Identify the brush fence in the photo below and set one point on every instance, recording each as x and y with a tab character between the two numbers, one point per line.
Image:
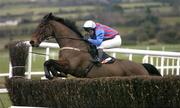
112	92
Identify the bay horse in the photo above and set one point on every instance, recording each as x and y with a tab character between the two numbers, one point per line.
74	55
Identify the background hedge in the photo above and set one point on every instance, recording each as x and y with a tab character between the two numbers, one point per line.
112	92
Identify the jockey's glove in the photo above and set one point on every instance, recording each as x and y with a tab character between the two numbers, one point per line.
86	37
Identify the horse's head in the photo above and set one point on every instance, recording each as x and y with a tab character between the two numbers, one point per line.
63	30
43	31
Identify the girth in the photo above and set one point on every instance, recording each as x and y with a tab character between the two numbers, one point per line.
88	69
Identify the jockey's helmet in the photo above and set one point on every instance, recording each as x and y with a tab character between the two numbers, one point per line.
89	24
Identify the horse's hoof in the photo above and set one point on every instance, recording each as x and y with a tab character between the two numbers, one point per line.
48	77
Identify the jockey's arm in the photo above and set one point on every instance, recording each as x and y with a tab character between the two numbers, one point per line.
99	38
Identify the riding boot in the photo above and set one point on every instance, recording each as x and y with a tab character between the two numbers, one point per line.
98	58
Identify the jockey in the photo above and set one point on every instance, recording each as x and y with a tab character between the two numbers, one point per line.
102	36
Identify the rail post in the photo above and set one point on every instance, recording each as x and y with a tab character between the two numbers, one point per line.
162	66
10	69
47	53
178	66
29	63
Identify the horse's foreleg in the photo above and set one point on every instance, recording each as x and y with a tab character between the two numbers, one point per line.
47	70
56	70
54	67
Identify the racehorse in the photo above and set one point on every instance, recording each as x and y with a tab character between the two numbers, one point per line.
74	55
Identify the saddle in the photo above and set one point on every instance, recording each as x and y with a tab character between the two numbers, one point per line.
104	58
107	59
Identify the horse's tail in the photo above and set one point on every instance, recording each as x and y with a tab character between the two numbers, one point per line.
151	69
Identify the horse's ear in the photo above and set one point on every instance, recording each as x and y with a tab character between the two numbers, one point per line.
50	15
47	17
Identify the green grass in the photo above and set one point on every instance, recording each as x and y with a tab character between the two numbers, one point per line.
5	101
18	10
125	30
19	27
170	20
140	4
83	8
4	61
35	10
157	8
11	1
37	64
163	9
159	47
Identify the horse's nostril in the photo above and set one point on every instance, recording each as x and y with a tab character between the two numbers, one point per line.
31	42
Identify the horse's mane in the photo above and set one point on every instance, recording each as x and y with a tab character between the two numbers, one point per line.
69	23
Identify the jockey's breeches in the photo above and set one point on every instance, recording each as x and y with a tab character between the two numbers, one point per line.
111	43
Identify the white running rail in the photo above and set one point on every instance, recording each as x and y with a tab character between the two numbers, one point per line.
161	59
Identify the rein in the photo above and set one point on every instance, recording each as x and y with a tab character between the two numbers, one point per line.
71	38
63	48
70	48
67	38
